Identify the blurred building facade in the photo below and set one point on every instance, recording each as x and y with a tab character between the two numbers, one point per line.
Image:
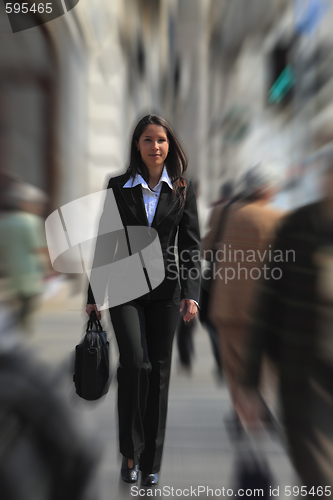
71	90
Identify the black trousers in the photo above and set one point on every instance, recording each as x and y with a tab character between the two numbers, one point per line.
144	331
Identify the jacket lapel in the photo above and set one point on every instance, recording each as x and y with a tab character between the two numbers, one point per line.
165	204
134	200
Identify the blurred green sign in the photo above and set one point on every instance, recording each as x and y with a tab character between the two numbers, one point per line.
282	85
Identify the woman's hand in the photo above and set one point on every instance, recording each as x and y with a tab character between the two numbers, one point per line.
191	309
93	307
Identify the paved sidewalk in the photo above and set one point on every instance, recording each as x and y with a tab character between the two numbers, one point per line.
198	451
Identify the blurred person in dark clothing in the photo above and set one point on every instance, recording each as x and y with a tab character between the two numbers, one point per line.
293	325
185	331
242	248
45	454
23	250
208	245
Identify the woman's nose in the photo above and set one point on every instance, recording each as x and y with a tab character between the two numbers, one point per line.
155	145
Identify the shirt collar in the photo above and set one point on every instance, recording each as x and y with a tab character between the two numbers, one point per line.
138	179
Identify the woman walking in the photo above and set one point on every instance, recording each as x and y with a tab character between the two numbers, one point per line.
153	193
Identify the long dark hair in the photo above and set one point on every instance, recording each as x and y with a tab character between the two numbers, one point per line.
176	161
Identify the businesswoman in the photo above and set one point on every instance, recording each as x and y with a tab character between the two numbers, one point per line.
152	194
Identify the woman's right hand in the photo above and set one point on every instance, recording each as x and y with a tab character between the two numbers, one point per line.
93	307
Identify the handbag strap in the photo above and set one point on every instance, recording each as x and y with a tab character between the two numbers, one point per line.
94	321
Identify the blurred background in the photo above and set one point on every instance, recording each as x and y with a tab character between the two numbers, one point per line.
240	82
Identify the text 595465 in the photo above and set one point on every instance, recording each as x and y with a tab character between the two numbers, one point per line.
25	8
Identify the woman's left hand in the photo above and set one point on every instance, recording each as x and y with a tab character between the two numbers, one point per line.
191	309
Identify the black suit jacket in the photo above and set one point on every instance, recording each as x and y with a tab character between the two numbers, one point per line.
182	281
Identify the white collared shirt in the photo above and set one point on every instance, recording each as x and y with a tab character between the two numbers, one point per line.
150	196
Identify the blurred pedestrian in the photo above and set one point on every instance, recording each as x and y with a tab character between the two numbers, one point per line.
185	331
293	324
45	452
23	251
242	248
208	248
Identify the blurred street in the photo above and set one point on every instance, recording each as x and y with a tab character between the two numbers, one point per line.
247	89
198	450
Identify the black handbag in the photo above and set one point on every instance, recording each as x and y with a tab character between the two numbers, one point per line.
92	362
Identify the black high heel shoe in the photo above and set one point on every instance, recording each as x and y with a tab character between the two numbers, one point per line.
129	475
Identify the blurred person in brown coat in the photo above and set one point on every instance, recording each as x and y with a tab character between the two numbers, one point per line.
244	246
293	324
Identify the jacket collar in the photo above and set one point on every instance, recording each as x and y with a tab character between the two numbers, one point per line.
139	180
134	200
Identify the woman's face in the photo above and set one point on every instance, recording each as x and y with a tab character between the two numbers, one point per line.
154	147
